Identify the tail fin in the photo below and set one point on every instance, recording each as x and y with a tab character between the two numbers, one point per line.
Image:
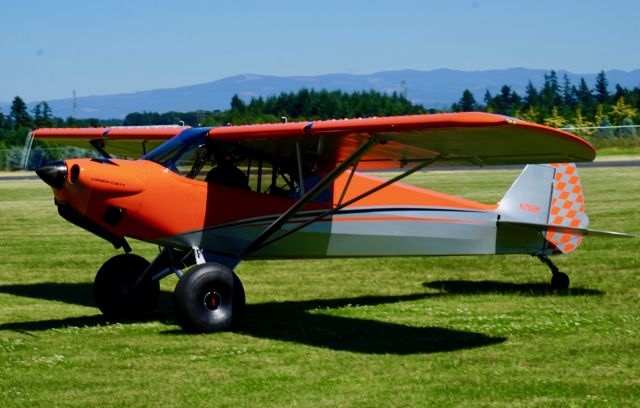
544	196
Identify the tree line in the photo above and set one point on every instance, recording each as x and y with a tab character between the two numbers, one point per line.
306	104
557	103
302	105
15	126
561	103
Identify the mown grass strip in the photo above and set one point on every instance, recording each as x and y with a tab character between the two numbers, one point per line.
453	331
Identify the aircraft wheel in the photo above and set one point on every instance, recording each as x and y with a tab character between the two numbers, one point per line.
208	298
560	281
113	288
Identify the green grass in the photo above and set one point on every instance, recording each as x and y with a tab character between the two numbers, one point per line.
632	151
450	331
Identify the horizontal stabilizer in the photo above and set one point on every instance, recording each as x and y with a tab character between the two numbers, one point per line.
567	230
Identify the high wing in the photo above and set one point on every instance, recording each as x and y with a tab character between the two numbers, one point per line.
124	141
448	139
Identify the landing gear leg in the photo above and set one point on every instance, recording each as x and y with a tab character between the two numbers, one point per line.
559	280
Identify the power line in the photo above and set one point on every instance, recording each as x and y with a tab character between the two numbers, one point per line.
598	127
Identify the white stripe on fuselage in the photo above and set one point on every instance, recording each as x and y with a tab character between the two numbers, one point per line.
377	231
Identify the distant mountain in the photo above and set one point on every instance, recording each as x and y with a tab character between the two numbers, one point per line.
433	89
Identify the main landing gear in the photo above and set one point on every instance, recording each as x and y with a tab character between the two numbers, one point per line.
121	290
207	298
559	280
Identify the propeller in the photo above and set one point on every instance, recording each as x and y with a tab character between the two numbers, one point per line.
53	173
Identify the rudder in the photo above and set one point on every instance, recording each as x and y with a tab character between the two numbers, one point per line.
567	209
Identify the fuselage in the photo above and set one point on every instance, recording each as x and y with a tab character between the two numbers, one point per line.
143	200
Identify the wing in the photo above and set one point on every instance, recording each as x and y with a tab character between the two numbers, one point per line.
125	141
451	138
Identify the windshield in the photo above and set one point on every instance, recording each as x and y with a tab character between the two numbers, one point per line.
177	153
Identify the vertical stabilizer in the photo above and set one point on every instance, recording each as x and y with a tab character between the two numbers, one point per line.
544	195
529	197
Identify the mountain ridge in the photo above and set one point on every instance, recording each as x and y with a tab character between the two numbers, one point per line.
437	88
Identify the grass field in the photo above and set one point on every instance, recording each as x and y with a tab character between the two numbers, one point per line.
455	331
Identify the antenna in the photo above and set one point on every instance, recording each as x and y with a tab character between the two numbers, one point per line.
75	104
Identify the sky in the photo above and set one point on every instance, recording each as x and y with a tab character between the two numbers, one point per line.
48	49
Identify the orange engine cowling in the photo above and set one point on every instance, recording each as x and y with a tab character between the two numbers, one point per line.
100	195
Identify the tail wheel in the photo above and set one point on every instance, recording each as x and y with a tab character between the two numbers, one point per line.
209	298
119	292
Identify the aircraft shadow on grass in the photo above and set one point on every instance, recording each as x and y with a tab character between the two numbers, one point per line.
468	287
303	321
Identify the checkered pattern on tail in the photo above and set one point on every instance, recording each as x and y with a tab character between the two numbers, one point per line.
567	209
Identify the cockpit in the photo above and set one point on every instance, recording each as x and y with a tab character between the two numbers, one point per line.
194	155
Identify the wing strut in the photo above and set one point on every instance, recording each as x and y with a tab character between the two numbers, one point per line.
300	178
348	203
346	186
306	198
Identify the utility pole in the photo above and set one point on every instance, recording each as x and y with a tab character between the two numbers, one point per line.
404	90
75	104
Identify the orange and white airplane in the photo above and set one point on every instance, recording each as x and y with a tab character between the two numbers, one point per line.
211	197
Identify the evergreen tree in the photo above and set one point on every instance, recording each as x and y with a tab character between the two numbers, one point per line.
310	105
585	97
238	104
20	114
72	122
634	97
621	93
531	97
550	93
42	115
601	88
467	103
507	102
37	113
568	92
487	101
47	115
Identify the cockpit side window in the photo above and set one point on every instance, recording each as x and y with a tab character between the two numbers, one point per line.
192	154
236	166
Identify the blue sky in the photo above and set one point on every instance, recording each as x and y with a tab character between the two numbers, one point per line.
50	48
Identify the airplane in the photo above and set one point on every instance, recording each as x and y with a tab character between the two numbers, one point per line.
211	197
